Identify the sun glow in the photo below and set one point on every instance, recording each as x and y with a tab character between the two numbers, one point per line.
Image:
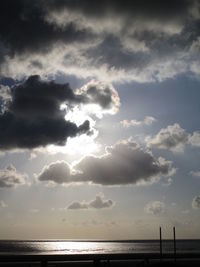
84	144
80	146
79	115
98	99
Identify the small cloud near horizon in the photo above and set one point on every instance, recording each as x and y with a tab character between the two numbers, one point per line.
155	207
98	203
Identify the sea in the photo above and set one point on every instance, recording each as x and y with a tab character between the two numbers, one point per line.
96	246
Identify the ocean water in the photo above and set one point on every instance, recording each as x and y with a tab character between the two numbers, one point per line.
78	247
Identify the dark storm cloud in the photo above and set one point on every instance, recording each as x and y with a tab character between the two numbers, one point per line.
23	29
33	117
27	133
111	52
154	8
32	114
120	40
40	98
141	38
124	163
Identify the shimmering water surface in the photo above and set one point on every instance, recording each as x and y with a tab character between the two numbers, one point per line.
78	247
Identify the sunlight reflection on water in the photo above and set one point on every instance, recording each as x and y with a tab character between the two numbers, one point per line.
84	247
70	247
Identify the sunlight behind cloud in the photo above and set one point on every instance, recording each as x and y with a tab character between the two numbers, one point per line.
78	115
81	145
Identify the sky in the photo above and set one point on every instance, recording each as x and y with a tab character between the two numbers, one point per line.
99	119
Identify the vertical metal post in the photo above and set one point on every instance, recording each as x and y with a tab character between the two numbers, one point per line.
160	243
174	232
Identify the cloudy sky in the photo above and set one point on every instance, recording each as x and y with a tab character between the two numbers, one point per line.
99	118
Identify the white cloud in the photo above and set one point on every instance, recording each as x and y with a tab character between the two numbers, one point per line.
155	207
185	211
168	182
10	177
128	123
148	120
5	92
196	202
5	97
34	210
194	139
2	204
174	138
98	203
195	173
2	154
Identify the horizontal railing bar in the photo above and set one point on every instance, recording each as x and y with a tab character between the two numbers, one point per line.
93	257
